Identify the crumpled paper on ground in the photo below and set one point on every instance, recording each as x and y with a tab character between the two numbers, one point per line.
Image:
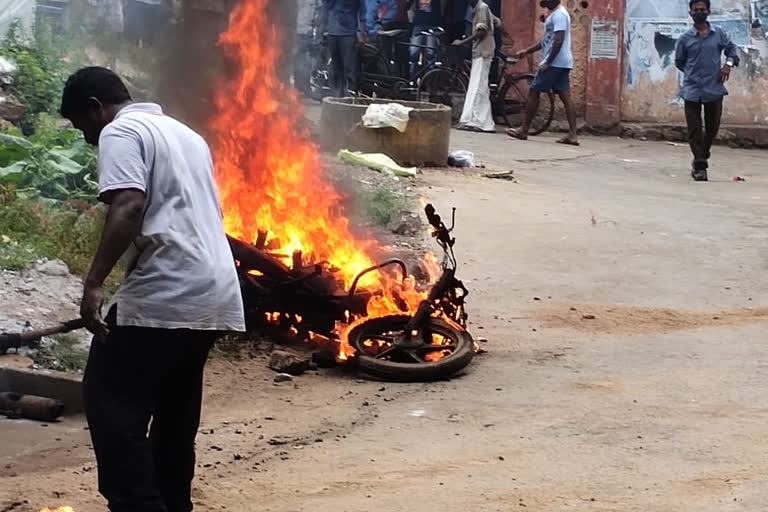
376	161
387	115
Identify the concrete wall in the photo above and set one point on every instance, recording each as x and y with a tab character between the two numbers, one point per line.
651	81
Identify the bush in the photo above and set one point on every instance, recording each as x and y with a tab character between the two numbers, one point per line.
51	164
42	70
34	229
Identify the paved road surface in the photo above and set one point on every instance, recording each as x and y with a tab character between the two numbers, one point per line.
657	404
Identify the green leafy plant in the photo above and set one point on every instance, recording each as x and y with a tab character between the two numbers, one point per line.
380	204
62	352
41	69
54	165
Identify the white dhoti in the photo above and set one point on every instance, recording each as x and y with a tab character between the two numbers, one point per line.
477	104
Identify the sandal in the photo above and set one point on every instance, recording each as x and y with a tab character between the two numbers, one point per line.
516	134
568	142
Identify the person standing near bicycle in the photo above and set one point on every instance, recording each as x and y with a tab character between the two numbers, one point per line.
478	115
388	16
554	71
426	18
346	27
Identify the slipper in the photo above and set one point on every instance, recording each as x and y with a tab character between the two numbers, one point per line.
475	129
568	142
516	134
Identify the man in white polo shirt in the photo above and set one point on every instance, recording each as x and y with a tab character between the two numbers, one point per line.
180	292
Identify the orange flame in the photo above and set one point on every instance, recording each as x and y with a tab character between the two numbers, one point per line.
269	172
60	509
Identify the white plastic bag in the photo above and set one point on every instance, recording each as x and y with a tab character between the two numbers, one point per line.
387	115
461	158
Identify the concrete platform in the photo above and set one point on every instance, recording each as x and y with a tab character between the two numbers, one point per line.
58	385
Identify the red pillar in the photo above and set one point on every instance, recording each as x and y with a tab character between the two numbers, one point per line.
605	70
518	17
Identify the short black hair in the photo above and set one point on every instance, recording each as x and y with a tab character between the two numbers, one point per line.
708	2
92	82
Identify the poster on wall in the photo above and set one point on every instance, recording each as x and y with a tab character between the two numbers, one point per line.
760	14
604	39
651	43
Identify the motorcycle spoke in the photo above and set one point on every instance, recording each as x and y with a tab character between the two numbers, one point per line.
448	346
389	338
415	356
386	351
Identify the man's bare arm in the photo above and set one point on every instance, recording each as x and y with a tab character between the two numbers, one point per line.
531	49
479	34
557	45
122	226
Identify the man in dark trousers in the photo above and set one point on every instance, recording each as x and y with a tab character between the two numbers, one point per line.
346	25
180	292
699	56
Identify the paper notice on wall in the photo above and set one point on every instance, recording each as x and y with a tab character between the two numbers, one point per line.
604	43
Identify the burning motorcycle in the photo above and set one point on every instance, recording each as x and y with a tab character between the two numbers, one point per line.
309	302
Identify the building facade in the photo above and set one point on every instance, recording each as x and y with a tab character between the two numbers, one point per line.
624	56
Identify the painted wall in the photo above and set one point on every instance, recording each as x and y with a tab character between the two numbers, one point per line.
651	85
580	20
523	21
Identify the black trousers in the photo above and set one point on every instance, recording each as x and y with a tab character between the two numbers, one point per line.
136	377
702	135
344	58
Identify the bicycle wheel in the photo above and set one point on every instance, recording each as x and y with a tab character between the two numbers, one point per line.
514	95
374	68
444	87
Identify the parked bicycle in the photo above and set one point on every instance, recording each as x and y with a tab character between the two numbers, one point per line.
445	82
509	98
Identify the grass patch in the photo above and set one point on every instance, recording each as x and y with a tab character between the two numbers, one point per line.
15	257
381	205
64	353
32	229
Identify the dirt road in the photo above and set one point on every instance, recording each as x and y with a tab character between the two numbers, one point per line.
657	403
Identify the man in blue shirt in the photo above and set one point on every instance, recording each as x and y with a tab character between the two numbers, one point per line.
346	23
699	56
554	71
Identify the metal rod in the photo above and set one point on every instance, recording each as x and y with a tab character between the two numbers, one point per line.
387	263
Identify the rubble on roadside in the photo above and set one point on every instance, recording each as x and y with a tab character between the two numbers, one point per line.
39	296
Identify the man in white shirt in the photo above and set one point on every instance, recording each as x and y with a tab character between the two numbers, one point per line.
477	114
554	71
180	292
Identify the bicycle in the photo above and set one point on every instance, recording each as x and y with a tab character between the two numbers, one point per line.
379	75
509	98
446	81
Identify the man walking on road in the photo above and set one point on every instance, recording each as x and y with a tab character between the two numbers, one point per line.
478	115
346	26
180	292
699	56
554	71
